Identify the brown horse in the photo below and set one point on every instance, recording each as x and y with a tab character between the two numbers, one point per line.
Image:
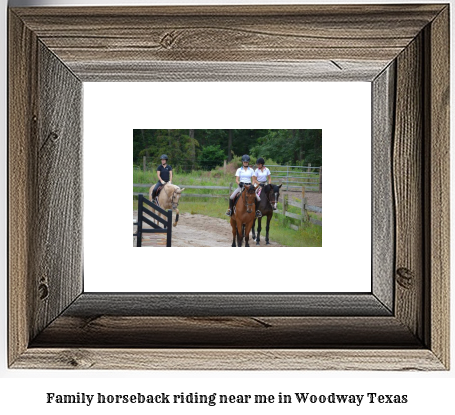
168	199
243	216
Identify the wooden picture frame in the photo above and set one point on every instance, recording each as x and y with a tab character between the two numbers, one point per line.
402	324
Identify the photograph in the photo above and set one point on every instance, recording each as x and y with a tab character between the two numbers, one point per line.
231	187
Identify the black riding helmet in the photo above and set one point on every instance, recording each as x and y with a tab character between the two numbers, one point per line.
164	157
260	160
245	157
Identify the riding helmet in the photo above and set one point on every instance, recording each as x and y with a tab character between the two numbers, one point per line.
246	158
164	157
260	160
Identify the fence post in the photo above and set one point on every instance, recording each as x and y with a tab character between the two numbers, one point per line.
285	204
139	219
320	179
309	168
305	216
224	167
169	228
144	163
287	177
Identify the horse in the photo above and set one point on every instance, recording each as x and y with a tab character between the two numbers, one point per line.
168	199
269	199
243	216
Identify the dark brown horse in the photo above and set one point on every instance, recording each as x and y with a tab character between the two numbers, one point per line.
243	216
269	199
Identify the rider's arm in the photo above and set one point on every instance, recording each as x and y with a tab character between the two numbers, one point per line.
170	176
237	179
159	176
270	179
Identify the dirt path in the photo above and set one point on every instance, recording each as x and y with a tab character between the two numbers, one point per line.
201	231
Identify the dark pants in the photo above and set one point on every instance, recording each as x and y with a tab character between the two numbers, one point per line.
155	190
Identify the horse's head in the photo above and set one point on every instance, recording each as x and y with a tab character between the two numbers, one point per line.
273	193
250	196
174	192
176	197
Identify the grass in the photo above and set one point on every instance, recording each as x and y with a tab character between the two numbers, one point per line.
308	235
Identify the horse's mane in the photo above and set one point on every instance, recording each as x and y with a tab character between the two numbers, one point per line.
173	188
251	189
269	187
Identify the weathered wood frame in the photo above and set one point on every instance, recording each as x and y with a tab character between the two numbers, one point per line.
403	50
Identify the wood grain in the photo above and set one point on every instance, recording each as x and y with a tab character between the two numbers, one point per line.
226	331
58	203
229	359
408	188
231	34
438	256
309	71
89	305
383	215
22	129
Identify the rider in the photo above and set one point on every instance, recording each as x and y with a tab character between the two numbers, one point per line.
244	175
164	173
262	173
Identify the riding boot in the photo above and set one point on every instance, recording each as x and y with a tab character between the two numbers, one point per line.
231	207
258	212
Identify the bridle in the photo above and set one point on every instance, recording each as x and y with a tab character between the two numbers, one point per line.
174	205
275	198
248	205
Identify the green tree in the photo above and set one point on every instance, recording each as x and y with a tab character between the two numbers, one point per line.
211	156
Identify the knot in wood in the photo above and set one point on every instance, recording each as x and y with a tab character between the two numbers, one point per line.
53	136
168	40
77	359
405	278
43	291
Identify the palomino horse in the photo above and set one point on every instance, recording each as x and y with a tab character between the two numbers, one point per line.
269	199
168	199
243	216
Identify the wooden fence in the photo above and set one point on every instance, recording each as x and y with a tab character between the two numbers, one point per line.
304	209
224	195
294	177
166	224
287	201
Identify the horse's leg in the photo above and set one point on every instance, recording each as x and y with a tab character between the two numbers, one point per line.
239	235
269	218
252	229
258	238
234	231
176	217
247	233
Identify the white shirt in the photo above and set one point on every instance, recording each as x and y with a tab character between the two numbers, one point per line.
262	175
245	176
